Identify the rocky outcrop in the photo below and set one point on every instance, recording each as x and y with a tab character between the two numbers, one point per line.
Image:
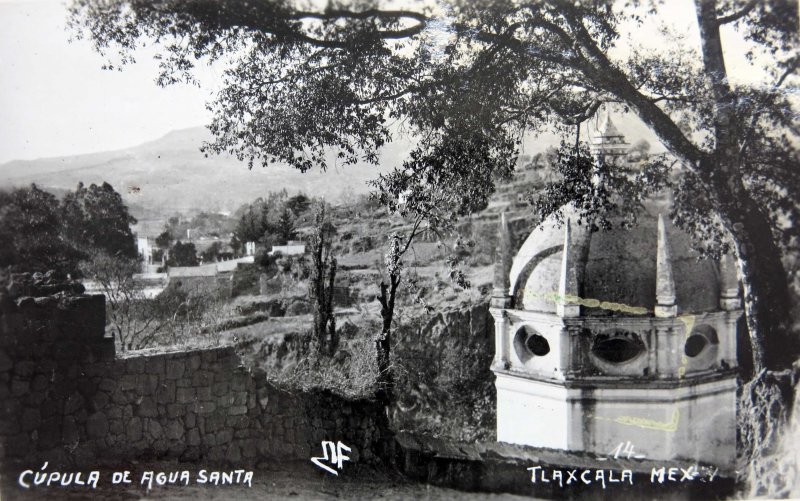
445	385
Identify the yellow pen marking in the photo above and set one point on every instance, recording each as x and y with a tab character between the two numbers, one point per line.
688	321
590	303
650	424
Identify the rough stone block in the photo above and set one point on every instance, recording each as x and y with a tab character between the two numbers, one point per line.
224	437
174	430
97	425
146	408
175	411
23	369
70	433
220	389
134	430
154	430
206	408
155	365
31	419
17	445
107	384
194	362
204	394
240	398
237	410
192	454
193	437
234	454
127	382
9	426
238	422
86	386
246	433
202	379
119	398
39	382
212	423
115	427
68	350
100	400
103	349
175	369
240	380
134	365
146	384
114	412
73	404
185	395
20	387
165	392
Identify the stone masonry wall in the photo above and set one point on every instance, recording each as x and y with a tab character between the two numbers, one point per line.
65	398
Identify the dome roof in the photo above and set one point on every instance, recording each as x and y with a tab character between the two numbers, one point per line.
615	266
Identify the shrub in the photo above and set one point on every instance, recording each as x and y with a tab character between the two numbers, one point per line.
351	373
245	280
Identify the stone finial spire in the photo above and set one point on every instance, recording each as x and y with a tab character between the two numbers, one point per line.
502	267
609	142
610	130
728	284
568	283
665	283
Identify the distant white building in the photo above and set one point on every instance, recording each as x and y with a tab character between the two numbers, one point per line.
292	248
145	250
249	248
231	264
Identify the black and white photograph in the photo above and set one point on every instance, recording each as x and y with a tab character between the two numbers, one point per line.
399	249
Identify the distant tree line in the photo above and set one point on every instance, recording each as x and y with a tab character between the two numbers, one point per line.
268	221
41	232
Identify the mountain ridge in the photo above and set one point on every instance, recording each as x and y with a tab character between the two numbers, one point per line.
169	175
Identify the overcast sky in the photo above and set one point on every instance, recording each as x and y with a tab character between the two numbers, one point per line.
55	100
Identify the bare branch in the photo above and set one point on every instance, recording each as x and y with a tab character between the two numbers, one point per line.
789	71
332	14
749	6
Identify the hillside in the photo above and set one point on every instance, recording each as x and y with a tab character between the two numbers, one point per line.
170	175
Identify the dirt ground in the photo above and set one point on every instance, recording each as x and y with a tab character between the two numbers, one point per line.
300	483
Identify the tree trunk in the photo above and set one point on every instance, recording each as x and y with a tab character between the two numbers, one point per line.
321	289
763	276
385	391
333	336
765	283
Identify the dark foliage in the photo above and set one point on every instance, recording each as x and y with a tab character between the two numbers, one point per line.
40	234
183	254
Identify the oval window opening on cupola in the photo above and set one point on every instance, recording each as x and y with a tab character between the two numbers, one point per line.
702	337
538	345
530	344
617	347
695	345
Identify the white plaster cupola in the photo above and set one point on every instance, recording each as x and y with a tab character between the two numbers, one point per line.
608	336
